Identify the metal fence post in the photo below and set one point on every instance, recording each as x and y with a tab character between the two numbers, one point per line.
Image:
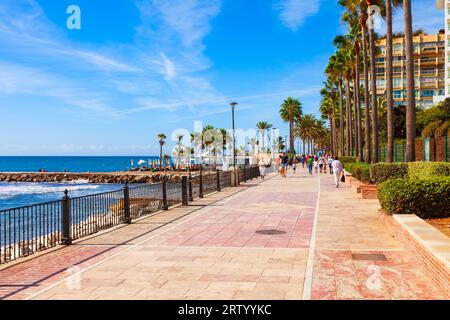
126	204
184	192
201	182
191	198
218	179
165	205
66	224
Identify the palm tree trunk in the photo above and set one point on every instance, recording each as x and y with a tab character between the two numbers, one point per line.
160	155
341	120
355	117
373	85
291	136
368	155
358	107
410	87
349	117
389	86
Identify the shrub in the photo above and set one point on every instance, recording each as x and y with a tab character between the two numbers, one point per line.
380	172
426	198
420	170
348	159
359	170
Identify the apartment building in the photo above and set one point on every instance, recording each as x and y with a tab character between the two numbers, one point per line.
430	69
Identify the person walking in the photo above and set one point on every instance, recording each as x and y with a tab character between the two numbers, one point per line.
262	168
321	163
284	164
330	161
338	170
310	164
278	164
303	159
294	165
316	164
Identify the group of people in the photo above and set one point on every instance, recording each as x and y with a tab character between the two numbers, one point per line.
319	163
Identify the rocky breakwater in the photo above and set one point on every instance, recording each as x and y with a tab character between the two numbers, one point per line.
118	178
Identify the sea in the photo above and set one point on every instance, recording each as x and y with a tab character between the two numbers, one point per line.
18	194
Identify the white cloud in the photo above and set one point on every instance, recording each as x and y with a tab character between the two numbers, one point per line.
188	20
294	12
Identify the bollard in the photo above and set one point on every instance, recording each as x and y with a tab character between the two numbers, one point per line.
201	183
184	192
218	180
191	197
126	204
66	220
165	205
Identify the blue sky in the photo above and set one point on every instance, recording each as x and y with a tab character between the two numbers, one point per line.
140	67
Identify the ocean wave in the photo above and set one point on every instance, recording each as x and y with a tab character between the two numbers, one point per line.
11	190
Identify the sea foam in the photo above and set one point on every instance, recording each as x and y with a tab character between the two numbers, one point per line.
10	190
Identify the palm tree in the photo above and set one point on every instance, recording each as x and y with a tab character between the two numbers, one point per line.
254	144
389	80
334	72
363	23
353	37
208	136
345	53
327	108
281	144
291	109
263	127
410	85
179	149
162	141
225	138
373	84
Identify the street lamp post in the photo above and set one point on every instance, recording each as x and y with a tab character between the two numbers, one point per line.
233	106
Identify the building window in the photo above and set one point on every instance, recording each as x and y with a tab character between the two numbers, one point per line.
380	82
427	93
398	48
398	94
398	82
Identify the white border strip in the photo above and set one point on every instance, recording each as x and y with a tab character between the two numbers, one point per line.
307	284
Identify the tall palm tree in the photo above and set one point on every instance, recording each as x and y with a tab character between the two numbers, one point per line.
263	128
328	109
345	53
162	141
291	109
351	17
410	86
367	128
373	83
334	70
389	4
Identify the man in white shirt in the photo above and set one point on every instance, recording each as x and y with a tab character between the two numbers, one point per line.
338	169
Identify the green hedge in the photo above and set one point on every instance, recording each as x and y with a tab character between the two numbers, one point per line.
359	170
348	159
420	170
380	172
426	198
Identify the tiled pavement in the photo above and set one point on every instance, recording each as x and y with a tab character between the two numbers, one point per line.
211	251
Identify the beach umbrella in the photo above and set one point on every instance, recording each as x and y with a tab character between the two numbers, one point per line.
141	162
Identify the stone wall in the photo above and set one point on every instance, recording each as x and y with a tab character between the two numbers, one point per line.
89	177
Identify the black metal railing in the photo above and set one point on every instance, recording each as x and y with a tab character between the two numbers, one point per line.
30	229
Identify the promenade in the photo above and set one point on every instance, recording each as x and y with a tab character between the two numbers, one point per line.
316	248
